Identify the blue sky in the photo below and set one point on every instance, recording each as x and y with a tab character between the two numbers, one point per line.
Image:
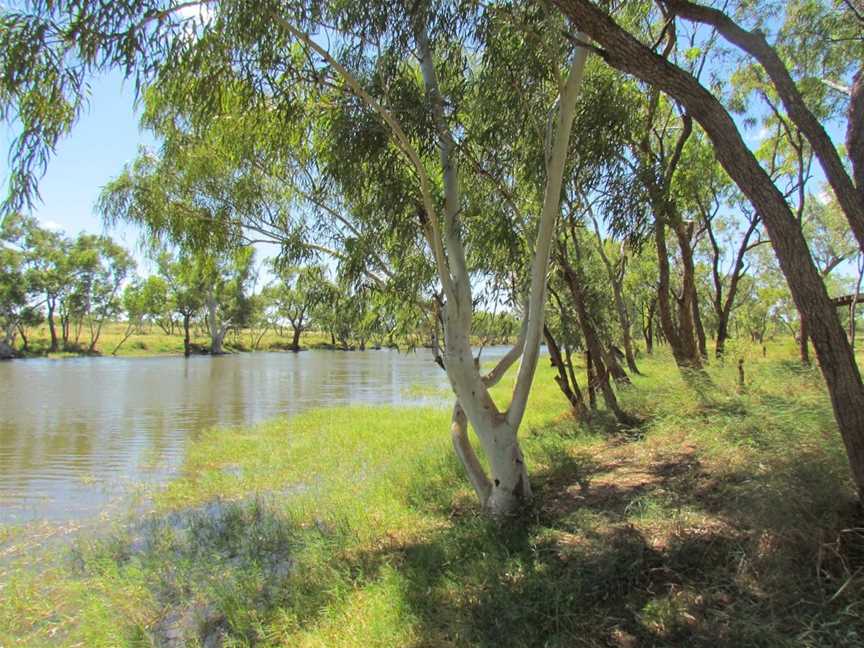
106	138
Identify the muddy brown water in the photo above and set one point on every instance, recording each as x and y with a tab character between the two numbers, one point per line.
80	435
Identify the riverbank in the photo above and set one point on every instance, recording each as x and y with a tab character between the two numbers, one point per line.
152	341
725	520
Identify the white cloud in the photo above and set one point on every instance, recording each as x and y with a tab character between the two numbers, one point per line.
203	12
52	226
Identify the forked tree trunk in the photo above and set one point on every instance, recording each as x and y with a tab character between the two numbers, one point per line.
507	487
508	484
723	307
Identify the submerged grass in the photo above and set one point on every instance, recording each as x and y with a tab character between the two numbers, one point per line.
726	521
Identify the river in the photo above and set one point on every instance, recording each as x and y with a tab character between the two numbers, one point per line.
80	435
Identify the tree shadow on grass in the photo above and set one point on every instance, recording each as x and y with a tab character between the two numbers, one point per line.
632	553
622	548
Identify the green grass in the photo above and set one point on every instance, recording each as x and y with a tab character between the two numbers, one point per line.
725	520
153	341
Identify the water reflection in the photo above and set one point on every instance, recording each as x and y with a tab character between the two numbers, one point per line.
74	434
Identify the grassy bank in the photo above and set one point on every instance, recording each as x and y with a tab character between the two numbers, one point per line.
724	520
152	341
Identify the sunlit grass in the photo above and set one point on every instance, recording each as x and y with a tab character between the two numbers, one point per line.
724	520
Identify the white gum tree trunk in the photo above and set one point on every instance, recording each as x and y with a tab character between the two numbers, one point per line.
507	486
217	330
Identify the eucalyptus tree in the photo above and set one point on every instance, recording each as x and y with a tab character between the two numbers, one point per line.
830	246
299	293
145	301
813	68
730	226
186	284
15	298
47	255
562	337
157	305
624	51
283	57
226	280
135	309
113	266
570	259
19	293
616	267
96	268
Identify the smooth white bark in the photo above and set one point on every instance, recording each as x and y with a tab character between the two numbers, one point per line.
217	331
555	163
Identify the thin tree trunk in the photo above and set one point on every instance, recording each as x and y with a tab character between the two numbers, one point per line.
590	376
616	280
664	296
722	334
803	343
126	336
723	307
570	389
25	347
187	346
853	306
686	313
592	342
217	332
648	328
700	330
51	303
